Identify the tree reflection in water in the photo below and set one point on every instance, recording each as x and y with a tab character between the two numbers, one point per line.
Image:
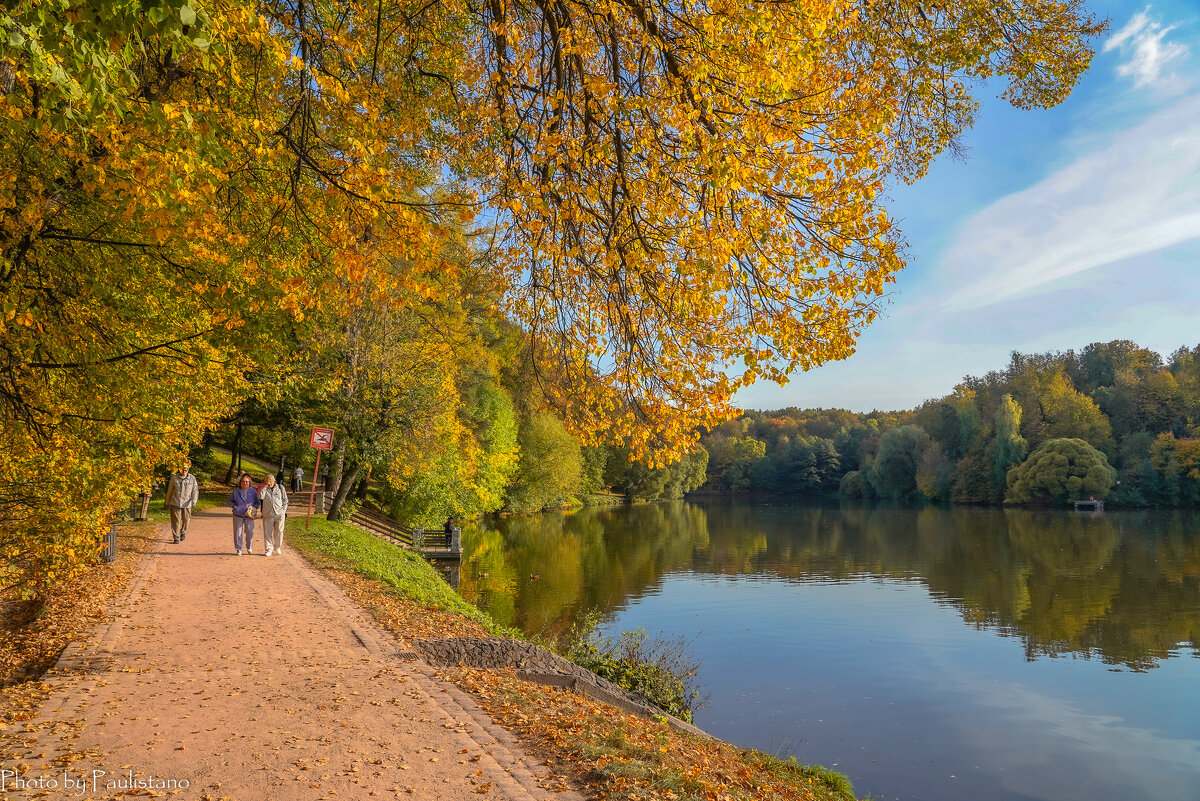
1122	587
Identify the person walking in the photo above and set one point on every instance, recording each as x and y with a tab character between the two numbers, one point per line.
299	479
245	503
182	493
274	514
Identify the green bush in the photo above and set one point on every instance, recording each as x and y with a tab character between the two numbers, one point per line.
1060	470
203	458
662	671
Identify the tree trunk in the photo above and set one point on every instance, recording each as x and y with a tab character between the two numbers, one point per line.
361	492
235	457
344	487
338	467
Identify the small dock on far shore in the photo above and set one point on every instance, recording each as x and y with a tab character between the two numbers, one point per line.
1091	505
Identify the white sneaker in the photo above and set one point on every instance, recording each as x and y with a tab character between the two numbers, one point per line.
268	553
239	553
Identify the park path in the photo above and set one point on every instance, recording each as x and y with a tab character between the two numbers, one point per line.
251	678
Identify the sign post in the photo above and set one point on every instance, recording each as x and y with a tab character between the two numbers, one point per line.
322	440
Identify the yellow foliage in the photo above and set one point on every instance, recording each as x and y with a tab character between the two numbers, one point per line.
685	199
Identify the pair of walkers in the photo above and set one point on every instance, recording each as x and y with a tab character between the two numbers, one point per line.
269	501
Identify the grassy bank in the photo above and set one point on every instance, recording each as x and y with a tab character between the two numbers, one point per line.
601	751
413	599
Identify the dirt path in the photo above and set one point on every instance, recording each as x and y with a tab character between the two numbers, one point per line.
252	678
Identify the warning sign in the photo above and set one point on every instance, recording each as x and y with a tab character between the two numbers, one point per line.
322	439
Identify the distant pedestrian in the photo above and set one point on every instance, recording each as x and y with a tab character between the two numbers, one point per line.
245	503
274	515
279	477
325	478
182	494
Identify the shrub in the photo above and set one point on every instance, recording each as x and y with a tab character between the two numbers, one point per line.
662	671
1060	470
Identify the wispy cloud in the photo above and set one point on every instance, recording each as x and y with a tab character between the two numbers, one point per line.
1138	195
1146	53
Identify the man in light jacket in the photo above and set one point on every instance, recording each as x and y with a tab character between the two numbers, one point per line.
274	512
182	494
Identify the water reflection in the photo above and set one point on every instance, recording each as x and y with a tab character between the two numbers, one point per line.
1122	587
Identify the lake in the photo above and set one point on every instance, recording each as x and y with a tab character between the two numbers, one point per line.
932	654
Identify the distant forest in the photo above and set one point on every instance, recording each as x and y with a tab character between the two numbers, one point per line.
1111	421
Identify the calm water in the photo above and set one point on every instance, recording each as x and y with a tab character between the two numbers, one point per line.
928	654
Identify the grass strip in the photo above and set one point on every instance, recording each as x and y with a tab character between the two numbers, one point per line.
399	572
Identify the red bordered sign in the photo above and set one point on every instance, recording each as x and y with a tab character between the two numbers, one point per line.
322	439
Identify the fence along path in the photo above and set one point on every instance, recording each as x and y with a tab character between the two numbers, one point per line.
436	543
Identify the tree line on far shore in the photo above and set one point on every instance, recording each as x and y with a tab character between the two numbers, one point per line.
1110	421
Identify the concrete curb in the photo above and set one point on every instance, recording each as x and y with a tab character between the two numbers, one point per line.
536	664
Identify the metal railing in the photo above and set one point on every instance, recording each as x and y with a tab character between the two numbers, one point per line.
109	554
431	543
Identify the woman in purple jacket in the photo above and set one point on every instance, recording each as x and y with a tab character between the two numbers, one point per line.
245	504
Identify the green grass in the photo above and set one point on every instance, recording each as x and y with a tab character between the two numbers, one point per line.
157	513
401	571
251	464
829	784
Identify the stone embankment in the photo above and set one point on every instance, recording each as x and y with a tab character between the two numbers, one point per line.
533	663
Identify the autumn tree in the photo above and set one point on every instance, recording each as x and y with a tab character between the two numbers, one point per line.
162	203
1069	413
732	461
1100	363
1150	402
686	198
409	385
1177	462
691	194
935	474
640	482
1185	368
893	474
550	466
463	476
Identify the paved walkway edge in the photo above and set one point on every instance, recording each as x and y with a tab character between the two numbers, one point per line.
508	754
84	653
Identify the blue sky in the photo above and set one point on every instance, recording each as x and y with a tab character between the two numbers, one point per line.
1062	227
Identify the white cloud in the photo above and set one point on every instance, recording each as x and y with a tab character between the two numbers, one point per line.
1108	756
1138	195
1146	53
